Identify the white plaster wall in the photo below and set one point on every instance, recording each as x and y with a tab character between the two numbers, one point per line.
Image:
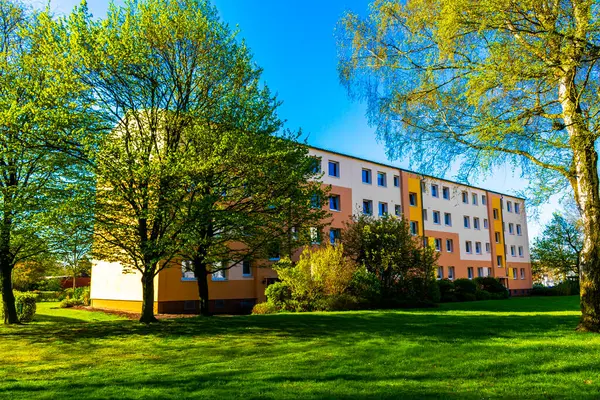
458	210
351	177
110	283
516	240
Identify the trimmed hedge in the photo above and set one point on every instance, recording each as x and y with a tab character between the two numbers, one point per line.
264	308
567	288
26	304
484	288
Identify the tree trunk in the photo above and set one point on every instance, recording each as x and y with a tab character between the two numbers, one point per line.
202	275
8	297
148	297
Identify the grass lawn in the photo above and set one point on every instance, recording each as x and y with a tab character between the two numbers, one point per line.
518	348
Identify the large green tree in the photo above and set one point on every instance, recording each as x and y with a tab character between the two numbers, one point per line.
485	83
42	124
558	248
257	195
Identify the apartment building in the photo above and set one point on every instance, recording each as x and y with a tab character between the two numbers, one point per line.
477	232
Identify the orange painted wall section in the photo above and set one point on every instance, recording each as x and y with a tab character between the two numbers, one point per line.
339	218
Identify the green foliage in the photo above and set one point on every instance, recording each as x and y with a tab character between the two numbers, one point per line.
566	288
25	303
447	290
465	289
386	248
68	303
264	308
483	295
49	285
278	294
557	250
365	287
491	285
319	276
44	296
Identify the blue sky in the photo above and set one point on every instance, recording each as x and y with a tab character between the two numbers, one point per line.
294	43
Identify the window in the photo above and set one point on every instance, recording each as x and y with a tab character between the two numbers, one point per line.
468	246
274	250
483	199
448	219
520	251
436	217
383	209
315	237
485	223
424	215
440	272
476	223
495	211
397	210
187	271
367	207
465	197
449	245
396	181
451	273
414	227
470	272
246	268
479	272
446	193
316	165
315	201
438	244
513	251
381	179
412	199
497	236
366	176
509	206
434	191
474	199
517	207
334	235
514	273
499	261
477	247
511	228
334	202
487	247
220	275
519	233
334	169
467	221
522	271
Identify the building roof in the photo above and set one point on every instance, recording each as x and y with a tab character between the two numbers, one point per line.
414	172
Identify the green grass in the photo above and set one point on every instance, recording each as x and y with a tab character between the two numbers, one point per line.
518	348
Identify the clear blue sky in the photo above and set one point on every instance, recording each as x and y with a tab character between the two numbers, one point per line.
294	43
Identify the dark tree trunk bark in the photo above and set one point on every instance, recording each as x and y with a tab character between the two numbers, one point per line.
8	297
202	274
148	297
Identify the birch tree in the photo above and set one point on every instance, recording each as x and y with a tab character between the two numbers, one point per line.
485	83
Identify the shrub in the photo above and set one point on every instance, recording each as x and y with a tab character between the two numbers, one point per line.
446	290
264	308
83	294
465	289
278	294
68	303
338	302
26	304
365	287
49	285
483	295
490	284
47	296
567	288
319	273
